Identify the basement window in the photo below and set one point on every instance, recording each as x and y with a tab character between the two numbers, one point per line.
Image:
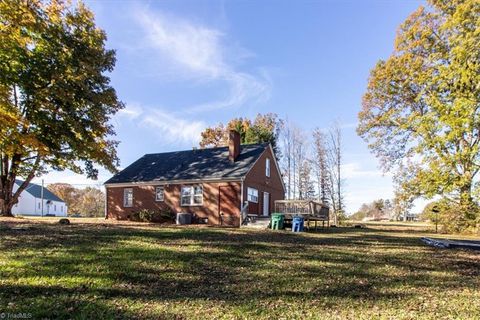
159	193
252	195
128	197
192	196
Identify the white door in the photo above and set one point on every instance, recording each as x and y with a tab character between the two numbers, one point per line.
266	203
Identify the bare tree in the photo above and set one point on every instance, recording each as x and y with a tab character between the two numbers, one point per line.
306	188
287	146
294	153
335	170
320	165
299	157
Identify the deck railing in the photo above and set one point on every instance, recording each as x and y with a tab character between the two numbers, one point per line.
303	207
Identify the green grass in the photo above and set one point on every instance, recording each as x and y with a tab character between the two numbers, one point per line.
106	270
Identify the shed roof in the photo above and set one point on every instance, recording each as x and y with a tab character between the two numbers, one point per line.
36	191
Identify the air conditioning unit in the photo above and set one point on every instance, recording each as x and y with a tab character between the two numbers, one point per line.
184	218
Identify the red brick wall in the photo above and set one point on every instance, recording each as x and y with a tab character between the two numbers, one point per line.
144	198
257	179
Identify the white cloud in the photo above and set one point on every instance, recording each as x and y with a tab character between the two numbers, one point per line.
192	47
198	52
354	170
170	126
173	128
131	111
351	125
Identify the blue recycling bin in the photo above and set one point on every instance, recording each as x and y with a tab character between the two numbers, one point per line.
297	224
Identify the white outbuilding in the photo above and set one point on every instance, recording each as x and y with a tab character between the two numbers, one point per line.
30	202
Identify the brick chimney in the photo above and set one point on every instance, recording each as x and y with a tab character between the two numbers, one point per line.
233	145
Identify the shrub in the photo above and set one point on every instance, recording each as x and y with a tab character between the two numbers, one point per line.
143	215
163	215
146	215
451	217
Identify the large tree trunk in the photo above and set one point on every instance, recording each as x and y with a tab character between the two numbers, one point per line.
6	210
6	200
468	206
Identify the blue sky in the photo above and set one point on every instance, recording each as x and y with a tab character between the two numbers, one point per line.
184	65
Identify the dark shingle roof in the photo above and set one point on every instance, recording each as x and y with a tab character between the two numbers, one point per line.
206	164
36	191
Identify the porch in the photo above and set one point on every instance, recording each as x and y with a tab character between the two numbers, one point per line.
311	211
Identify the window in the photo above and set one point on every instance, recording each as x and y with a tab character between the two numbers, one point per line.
39	205
159	193
192	196
61	209
128	197
252	195
54	207
267	167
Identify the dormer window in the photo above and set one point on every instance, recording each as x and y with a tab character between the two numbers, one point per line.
267	167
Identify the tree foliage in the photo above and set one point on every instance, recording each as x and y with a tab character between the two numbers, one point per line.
264	128
421	109
87	202
55	96
449	216
376	210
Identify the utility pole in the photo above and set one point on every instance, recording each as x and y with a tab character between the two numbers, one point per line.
42	197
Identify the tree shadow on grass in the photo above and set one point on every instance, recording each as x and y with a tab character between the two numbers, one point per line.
96	268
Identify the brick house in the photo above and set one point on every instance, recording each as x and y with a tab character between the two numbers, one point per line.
213	184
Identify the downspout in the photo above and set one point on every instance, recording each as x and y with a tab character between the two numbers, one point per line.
241	202
105	202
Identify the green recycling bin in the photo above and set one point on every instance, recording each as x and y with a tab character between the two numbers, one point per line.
277	220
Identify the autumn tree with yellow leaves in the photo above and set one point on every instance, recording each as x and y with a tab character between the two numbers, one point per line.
55	95
264	128
421	110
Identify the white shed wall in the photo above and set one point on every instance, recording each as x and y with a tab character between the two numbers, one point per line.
28	205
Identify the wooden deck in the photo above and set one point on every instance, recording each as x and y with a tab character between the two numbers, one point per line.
309	209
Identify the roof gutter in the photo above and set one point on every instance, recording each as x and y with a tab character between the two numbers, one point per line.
184	181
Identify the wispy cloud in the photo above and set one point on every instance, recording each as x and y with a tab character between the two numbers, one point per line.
354	170
173	128
131	111
198	52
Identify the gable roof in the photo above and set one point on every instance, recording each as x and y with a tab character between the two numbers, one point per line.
36	191
199	164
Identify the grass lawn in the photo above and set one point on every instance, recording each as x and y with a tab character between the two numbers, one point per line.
96	269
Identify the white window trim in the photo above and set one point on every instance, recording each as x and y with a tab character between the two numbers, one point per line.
248	194
163	194
192	196
125	204
267	167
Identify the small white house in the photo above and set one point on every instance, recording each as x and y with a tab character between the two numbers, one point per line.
30	202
